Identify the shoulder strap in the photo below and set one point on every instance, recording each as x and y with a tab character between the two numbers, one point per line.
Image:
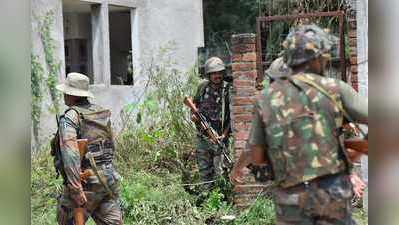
202	88
328	95
76	109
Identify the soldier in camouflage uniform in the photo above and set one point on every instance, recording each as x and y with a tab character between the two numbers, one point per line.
97	193
298	119
212	101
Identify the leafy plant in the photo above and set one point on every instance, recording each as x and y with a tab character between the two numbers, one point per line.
53	66
37	74
261	212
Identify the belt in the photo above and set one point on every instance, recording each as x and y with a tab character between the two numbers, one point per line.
313	183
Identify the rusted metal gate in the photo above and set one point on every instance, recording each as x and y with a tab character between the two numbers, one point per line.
267	49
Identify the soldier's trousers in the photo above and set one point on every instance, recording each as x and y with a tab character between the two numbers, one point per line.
100	206
326	201
209	160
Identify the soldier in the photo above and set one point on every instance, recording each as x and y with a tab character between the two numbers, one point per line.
297	129
97	191
212	101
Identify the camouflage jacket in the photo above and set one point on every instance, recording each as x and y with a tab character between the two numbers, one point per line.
298	126
214	104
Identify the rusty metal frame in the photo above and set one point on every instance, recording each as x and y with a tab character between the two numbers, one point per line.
270	19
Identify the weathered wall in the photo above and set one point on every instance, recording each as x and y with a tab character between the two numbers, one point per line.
178	21
154	24
39	9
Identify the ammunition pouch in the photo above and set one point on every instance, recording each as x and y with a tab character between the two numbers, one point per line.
102	151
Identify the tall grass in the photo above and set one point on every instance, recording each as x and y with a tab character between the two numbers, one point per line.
155	156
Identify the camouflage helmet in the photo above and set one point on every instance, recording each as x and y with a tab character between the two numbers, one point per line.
214	64
307	42
278	69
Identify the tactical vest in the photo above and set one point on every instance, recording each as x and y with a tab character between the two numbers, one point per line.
212	104
301	130
95	126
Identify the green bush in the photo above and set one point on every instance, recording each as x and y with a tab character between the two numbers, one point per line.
44	188
154	155
261	212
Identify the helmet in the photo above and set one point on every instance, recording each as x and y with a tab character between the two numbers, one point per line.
307	42
278	69
214	64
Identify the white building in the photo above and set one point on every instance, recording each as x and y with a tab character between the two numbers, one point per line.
96	37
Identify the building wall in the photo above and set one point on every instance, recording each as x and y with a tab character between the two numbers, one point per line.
154	24
178	21
39	9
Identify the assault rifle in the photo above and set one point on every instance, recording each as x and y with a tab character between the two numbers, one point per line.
206	128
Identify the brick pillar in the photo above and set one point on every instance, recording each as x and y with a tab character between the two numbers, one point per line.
352	36
243	94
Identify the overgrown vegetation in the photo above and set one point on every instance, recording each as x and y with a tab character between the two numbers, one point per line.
37	74
53	66
155	156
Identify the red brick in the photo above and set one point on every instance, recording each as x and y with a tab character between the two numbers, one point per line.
241	126
243	83
241	135
242	48
239	144
353	69
353	60
236	58
242	101
353	50
352	34
245	75
249	57
243	117
243	66
352	42
242	109
245	92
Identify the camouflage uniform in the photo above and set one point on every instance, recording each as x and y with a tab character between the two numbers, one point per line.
214	105
299	127
91	122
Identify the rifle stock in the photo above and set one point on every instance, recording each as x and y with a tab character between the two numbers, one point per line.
79	216
82	145
359	145
79	213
